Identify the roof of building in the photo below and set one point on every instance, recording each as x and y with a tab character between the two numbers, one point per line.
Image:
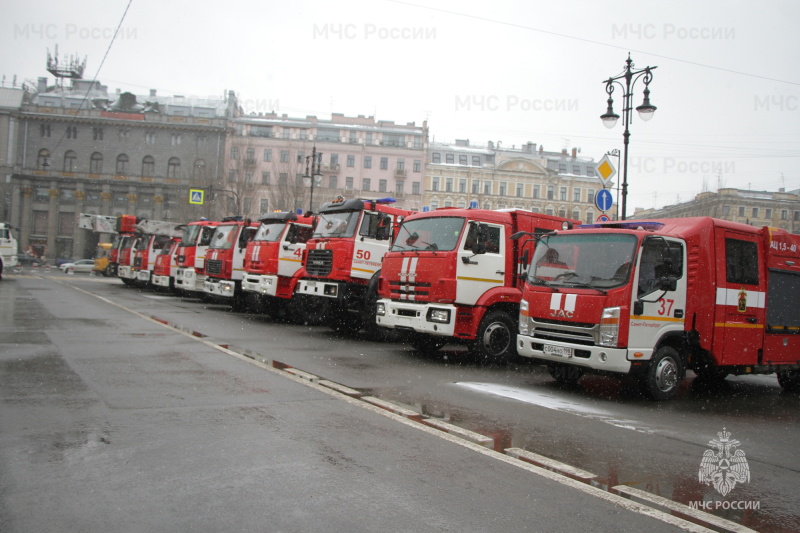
11	97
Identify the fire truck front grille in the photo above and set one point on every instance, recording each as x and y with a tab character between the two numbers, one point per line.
319	262
214	266
403	290
137	262
577	333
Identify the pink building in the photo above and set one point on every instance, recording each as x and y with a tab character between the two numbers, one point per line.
267	156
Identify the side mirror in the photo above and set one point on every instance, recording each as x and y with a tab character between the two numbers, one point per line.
668	283
525	258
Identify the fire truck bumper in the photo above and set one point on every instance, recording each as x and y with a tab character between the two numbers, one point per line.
143	275
266	285
224	288
126	272
161	281
435	319
328	289
188	279
594	357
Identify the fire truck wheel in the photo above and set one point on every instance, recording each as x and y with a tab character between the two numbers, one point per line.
565	374
494	343
789	380
663	376
424	343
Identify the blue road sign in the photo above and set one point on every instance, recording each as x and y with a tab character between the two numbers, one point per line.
603	200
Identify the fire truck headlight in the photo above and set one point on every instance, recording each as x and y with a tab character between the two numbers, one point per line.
380	310
609	327
439	315
523	317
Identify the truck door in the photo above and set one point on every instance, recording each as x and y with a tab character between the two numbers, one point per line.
740	303
290	254
476	273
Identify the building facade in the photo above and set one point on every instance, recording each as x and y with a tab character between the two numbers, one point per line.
80	149
779	209
492	177
357	157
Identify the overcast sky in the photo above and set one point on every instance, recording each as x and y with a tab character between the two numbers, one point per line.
727	86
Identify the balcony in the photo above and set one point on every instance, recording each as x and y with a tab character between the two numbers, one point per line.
400	173
334	168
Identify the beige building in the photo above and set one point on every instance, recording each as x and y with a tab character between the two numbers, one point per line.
758	208
492	177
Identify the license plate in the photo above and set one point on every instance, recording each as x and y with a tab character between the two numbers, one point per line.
560	351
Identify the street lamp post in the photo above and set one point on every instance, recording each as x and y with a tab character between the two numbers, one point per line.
615	153
212	192
646	111
313	175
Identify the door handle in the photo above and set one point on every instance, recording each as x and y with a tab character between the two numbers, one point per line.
500	272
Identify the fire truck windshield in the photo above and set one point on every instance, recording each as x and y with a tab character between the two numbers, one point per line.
224	237
596	260
436	233
189	235
269	232
337	224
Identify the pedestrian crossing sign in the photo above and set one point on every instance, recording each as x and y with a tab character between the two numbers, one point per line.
196	196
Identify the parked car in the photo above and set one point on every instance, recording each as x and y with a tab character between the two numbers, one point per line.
61	260
28	260
83	265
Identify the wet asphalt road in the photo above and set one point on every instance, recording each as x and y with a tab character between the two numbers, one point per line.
123	416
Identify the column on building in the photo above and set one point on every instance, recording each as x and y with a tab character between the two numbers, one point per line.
52	223
78	233
26	215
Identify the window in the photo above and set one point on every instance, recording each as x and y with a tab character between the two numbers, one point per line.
536	189
199	170
248	205
384	163
487	187
348	183
476	160
96	163
562	168
283	178
562	194
741	260
72	132
232	176
462	159
173	167
381	185
450	158
365	184
417	165
576	195
70	159
265	179
435	184
44	130
519	190
755	212
576	169
462	186
436	158
367	161
401	164
415	188
148	165
248	178
251	155
726	210
122	164
476	187
369	138
784	214
267	155
741	211
576	214
448	184
234	152
590	196
97	134
43	159
351	160
768	213
264	205
398	188
334	159
333	182
551	192
285	156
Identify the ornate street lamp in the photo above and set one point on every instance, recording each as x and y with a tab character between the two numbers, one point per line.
312	177
646	111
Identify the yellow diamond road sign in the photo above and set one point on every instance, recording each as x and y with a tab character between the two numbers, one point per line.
606	170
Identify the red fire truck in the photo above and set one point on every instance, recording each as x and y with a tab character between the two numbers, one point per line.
190	276
454	275
343	259
655	298
274	260
166	265
122	228
154	235
225	260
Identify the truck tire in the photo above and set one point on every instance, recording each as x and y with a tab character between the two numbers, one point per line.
495	342
789	380
565	375
424	343
663	375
